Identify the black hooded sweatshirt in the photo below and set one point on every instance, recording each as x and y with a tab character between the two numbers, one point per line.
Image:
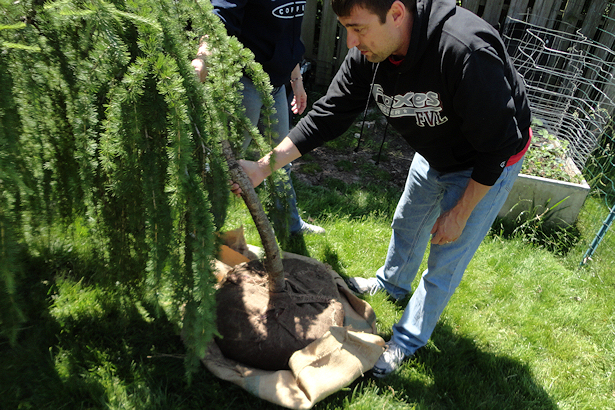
271	29
456	97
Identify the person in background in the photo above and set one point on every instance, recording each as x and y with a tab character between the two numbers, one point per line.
442	78
271	29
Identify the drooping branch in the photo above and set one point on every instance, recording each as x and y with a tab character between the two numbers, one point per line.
273	261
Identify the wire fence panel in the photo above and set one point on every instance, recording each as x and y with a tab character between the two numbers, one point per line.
566	83
570	80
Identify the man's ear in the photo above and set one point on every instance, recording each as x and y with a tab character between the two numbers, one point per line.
398	12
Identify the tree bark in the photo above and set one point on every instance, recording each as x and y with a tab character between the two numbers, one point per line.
273	261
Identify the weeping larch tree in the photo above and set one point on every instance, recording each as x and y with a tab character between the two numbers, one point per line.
105	127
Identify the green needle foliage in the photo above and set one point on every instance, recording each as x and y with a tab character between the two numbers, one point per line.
105	127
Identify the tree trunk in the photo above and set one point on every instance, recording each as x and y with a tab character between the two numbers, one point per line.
273	261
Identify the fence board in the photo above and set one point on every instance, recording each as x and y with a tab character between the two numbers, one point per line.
607	39
342	50
542	13
308	28
493	10
607	33
593	17
471	5
326	44
572	14
518	8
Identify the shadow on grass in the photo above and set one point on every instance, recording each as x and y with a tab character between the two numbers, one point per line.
100	349
118	357
456	374
296	244
452	372
557	239
82	356
114	357
335	197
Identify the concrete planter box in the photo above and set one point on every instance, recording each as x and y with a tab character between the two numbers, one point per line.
529	191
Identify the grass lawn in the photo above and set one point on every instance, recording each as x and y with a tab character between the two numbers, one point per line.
527	329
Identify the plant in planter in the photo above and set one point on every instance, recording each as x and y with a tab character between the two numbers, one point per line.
547	157
549	184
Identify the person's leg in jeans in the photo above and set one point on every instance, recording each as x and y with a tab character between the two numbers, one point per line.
426	196
253	103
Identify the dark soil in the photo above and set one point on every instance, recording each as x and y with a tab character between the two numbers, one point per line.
263	329
338	159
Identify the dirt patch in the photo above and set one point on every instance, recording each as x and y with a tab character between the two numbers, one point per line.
339	160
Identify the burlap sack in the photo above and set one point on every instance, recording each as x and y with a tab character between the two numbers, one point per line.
320	369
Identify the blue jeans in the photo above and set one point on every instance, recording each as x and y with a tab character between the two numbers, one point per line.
427	194
253	103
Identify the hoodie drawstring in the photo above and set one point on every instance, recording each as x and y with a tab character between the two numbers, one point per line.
384	136
369	95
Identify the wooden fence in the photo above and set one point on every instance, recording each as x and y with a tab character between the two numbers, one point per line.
325	40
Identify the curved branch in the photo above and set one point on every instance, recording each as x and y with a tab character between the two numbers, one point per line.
273	261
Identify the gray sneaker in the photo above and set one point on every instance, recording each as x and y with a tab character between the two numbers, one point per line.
309	229
362	286
389	361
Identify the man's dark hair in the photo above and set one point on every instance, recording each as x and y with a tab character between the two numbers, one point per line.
379	7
